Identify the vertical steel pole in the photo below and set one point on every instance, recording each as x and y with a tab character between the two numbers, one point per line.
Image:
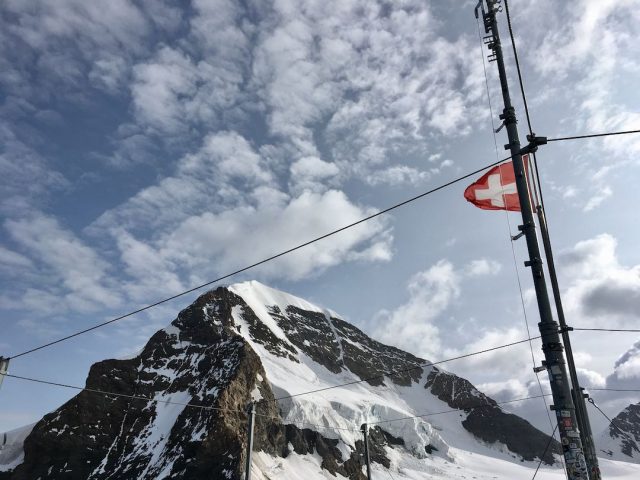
551	344
365	431
252	418
586	434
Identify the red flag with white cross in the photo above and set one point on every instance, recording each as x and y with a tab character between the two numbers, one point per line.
496	189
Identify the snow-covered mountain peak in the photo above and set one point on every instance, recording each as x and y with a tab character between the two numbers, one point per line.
315	379
256	294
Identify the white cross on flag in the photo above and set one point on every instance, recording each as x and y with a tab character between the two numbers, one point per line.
496	189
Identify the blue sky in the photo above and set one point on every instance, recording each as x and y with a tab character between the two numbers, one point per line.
149	146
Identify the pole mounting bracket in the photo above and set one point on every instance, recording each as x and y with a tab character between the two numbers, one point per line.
533	261
534	143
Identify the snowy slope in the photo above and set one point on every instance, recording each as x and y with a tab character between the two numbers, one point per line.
11	452
351	406
406	467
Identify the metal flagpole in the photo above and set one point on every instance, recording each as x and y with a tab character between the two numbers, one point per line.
551	344
586	434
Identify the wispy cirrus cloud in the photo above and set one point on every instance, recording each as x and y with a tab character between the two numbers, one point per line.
77	277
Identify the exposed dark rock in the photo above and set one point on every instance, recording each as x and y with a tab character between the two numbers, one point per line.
372	360
202	362
492	425
258	331
457	392
312	334
378	440
487	421
626	429
430	449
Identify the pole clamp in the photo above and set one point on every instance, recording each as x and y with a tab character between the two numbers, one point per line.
533	261
564	329
508	115
534	143
526	225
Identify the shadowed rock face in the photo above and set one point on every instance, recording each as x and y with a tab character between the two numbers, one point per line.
202	360
625	428
369	359
487	421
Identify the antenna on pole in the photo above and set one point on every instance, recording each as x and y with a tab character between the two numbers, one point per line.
563	404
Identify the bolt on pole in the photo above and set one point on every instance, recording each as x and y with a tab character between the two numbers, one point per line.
551	344
251	424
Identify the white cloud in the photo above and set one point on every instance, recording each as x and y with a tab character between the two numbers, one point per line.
410	326
147	267
599	288
413	326
25	173
223	209
482	266
311	173
313	167
172	92
590	378
597	198
370	83
506	390
224	172
72	38
569	191
72	271
572	46
514	361
627	368
398	175
240	236
10	258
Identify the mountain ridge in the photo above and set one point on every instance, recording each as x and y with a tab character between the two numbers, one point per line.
248	341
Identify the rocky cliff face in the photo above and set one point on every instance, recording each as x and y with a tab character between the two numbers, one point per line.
251	343
621	439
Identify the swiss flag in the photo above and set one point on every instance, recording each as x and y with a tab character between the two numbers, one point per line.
496	189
